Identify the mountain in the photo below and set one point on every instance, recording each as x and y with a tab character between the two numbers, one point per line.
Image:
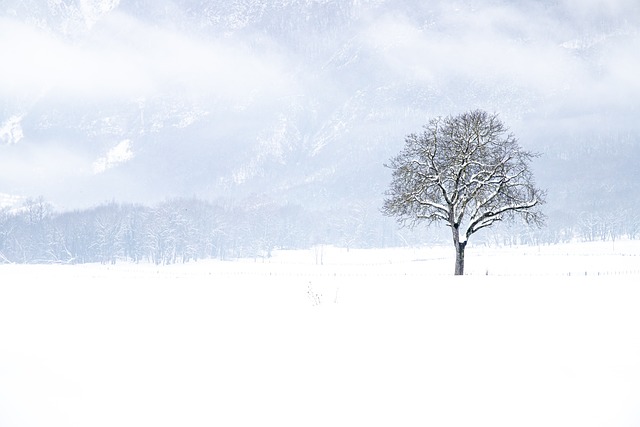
302	101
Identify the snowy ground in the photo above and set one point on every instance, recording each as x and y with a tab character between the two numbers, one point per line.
533	336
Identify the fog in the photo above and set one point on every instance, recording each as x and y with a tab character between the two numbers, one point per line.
188	147
116	100
121	58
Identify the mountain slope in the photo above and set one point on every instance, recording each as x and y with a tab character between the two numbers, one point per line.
298	100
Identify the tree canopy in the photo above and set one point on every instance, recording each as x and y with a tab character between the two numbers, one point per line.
467	171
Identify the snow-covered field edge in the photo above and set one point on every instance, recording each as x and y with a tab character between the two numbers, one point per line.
532	336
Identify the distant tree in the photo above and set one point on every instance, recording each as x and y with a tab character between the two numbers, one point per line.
35	234
108	233
6	235
353	226
133	233
467	171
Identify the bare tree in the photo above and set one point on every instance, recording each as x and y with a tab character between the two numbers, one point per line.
108	233
467	171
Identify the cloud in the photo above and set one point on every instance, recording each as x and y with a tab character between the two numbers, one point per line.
494	43
519	48
32	170
39	62
122	57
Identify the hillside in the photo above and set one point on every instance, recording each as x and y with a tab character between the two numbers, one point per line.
302	101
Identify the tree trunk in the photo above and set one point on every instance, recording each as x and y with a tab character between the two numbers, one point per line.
460	258
459	270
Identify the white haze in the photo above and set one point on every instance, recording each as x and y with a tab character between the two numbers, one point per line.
510	43
565	67
123	58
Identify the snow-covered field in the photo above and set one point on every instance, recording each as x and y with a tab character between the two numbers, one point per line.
532	336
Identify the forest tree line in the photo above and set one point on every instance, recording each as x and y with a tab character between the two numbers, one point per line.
190	229
177	230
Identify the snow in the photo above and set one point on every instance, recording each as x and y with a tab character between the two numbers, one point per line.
327	337
121	153
11	130
10	201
